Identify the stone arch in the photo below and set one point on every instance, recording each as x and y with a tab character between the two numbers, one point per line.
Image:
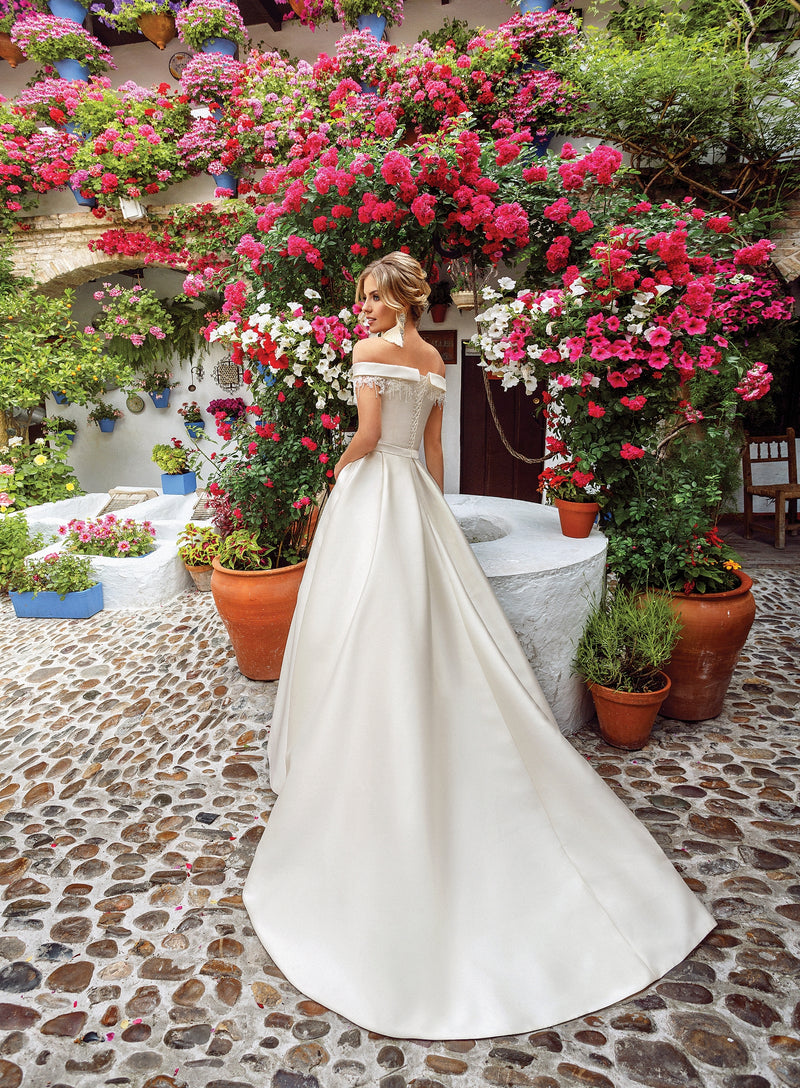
53	250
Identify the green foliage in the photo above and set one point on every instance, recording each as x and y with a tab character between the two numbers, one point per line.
39	473
15	543
457	31
173	459
779	348
59	572
240	550
198	545
627	641
104	411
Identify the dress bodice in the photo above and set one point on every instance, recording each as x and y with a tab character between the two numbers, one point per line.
407	398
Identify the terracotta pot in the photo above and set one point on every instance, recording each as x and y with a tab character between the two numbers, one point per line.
715	628
439	312
201	576
626	717
256	608
10	52
298	7
577	518
157	27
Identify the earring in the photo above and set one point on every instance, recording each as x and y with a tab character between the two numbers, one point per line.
401	324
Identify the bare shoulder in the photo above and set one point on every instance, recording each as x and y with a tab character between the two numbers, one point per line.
430	360
373	350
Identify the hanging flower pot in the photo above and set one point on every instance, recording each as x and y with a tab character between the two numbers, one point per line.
84	201
160	398
715	628
178	483
226	181
157	27
626	717
68	9
576	518
60	398
219	45
195	427
438	312
106	425
72	69
375	24
10	52
464	300
526	7
257	608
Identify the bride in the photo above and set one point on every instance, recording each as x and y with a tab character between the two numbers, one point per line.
440	862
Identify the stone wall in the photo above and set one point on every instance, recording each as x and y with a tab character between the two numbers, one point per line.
786	235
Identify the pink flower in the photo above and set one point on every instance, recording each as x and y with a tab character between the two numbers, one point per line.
658	337
619	381
631	453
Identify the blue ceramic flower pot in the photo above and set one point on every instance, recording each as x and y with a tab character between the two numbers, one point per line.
375	24
161	398
528	6
219	45
84	201
68	9
72	69
182	483
48	605
60	398
226	181
195	427
106	425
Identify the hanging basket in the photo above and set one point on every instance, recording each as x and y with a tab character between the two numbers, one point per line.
157	27
10	52
464	300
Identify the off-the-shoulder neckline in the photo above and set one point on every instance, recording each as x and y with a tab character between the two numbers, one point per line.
401	366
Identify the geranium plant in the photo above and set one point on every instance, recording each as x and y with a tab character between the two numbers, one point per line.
12	10
108	535
211	77
47	39
190	410
125	14
174	458
58	572
227	408
104	411
156	381
204	19
130	321
568	481
349	10
198	545
311	13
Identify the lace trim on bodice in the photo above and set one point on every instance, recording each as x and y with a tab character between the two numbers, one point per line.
403	381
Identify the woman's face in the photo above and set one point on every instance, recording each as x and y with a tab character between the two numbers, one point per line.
375	314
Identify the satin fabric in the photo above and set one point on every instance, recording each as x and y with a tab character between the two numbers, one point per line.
440	863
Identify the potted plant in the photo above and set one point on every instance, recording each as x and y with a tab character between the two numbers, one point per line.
227	410
440	300
59	585
177	477
60	425
154	18
192	418
212	26
267	486
109	536
625	646
104	416
198	545
371	15
63	44
565	485
158	385
312	13
16	540
10	11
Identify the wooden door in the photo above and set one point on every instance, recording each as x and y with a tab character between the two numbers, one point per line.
487	468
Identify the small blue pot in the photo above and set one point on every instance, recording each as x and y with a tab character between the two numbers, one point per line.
161	398
226	181
60	398
195	427
72	69
68	9
219	45
182	483
375	24
84	201
48	605
106	425
528	6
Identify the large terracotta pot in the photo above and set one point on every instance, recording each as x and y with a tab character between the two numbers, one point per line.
257	608
10	52
626	717
157	27
576	518
715	628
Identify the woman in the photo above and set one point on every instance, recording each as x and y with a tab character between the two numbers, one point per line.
440	863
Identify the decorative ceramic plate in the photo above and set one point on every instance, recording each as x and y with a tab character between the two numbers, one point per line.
135	404
177	62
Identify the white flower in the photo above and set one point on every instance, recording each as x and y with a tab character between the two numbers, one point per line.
506	284
577	288
545	305
309	293
15	441
40	441
488	294
249	336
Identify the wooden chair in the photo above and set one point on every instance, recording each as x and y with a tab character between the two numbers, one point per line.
771	449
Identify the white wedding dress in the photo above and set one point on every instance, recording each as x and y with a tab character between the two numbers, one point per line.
440	862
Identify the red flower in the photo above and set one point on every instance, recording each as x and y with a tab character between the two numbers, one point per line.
631	453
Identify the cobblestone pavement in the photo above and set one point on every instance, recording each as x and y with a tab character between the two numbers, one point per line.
133	793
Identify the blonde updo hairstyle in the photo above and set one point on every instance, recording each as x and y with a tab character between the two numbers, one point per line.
401	282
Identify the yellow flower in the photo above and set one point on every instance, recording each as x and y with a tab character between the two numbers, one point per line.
730	565
40	459
70	487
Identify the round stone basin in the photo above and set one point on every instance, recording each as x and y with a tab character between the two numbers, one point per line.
547	584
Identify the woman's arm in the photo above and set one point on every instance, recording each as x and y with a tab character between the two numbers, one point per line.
432	441
368	434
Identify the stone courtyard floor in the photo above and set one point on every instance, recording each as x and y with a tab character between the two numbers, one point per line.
133	791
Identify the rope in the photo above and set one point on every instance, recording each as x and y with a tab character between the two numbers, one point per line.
514	453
